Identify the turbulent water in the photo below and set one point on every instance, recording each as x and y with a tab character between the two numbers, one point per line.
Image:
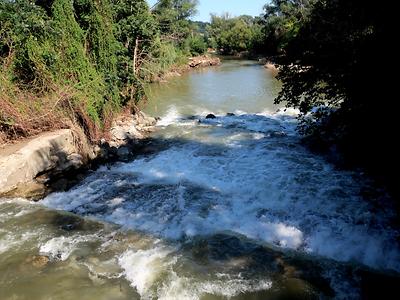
226	208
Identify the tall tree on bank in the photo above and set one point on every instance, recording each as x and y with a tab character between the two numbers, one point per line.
282	21
135	28
180	36
173	17
335	70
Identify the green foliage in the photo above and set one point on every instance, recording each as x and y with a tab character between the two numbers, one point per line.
101	51
134	27
282	22
329	73
162	57
51	50
196	44
267	35
133	19
201	27
329	52
173	15
175	26
83	44
233	35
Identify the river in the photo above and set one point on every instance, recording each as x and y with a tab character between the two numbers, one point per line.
233	207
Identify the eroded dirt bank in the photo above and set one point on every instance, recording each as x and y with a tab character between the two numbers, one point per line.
196	62
53	160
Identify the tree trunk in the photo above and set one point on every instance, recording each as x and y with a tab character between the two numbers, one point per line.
135	55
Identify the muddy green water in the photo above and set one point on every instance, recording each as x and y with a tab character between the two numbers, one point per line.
237	85
227	208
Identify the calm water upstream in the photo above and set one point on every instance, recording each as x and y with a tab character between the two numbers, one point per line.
226	208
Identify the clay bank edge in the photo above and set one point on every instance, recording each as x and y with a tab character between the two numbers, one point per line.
33	168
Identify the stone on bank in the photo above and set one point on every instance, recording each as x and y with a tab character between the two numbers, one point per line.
27	168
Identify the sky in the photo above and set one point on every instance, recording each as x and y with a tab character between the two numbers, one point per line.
234	7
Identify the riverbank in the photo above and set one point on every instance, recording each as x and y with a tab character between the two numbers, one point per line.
53	161
197	62
34	166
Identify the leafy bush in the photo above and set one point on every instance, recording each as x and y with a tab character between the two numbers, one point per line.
100	51
79	45
196	45
161	58
233	35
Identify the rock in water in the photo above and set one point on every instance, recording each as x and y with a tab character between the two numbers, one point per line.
277	134
123	152
210	116
38	261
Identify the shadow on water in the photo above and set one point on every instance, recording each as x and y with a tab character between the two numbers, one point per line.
293	277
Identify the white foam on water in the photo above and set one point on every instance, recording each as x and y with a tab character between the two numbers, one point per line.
103	269
12	240
11	237
15	207
170	117
289	111
151	273
181	288
7	201
6	215
245	174
116	201
60	248
143	267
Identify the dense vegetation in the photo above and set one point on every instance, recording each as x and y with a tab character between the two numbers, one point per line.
268	34
335	60
66	62
233	35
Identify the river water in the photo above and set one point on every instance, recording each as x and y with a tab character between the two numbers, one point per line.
226	208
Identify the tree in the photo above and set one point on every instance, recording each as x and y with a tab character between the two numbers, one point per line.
196	44
282	21
173	15
135	28
328	73
233	35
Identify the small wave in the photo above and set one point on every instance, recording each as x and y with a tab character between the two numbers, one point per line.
143	267
60	248
170	117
